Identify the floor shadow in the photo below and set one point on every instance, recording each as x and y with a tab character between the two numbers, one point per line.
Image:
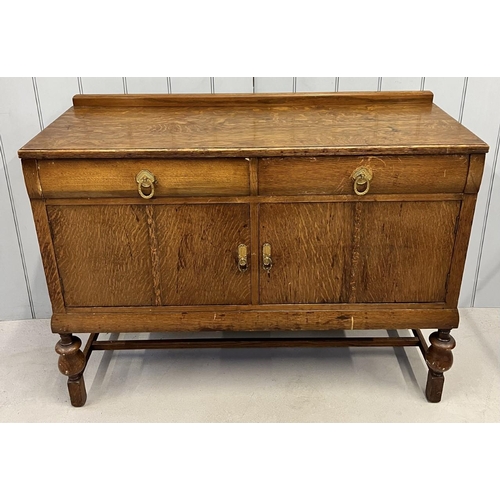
405	365
287	352
340	358
102	368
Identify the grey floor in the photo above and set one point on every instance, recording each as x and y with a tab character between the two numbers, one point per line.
253	385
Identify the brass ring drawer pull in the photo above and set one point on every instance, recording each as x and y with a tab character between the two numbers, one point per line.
362	177
242	258
146	180
267	262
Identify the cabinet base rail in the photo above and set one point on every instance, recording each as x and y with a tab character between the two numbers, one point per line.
107	345
438	356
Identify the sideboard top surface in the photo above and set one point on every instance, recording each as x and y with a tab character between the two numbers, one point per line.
112	126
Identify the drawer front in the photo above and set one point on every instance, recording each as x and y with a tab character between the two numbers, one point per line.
117	178
390	174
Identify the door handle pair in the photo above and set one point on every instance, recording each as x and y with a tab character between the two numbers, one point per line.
267	261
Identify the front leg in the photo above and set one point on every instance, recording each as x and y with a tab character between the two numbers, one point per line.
72	363
439	359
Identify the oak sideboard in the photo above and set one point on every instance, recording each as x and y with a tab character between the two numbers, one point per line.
253	212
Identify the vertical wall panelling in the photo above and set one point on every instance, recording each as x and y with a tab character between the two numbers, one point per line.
323	84
448	93
14	299
190	85
55	96
139	85
481	114
233	85
401	83
487	279
347	84
19	122
37	101
273	84
462	102
104	85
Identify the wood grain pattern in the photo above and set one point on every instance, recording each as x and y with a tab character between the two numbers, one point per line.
475	174
32	179
439	359
255	320
254	252
46	243
199	250
355	256
405	251
254	179
463	231
230	100
155	258
107	345
176	177
391	174
71	363
261	307
323	125
311	251
255	200
103	255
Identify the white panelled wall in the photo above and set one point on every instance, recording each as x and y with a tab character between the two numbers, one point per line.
27	105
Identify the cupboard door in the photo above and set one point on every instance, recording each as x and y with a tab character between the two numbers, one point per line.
102	254
311	246
405	250
198	253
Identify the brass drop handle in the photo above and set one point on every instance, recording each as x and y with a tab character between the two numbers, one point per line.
267	262
242	258
146	180
362	177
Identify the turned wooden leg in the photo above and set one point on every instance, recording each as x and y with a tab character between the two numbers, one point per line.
439	359
72	363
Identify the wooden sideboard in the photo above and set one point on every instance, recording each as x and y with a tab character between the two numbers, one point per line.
253	212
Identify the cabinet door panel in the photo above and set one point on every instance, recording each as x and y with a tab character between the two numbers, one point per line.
311	246
405	251
198	253
103	255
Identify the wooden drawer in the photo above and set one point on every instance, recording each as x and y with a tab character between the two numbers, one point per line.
391	174
117	178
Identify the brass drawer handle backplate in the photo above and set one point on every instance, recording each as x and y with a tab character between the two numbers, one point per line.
242	258
146	180
267	262
362	177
